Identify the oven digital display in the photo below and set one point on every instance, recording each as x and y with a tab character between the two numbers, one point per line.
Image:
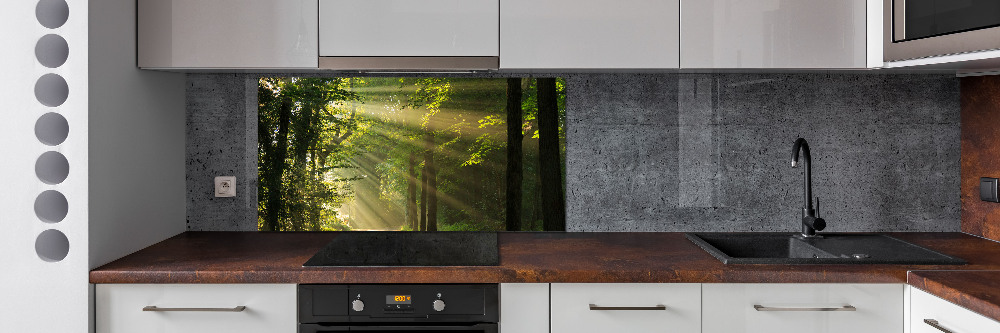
397	299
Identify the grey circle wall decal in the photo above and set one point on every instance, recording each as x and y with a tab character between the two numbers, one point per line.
51	90
51	206
52	167
52	13
51	129
51	51
52	245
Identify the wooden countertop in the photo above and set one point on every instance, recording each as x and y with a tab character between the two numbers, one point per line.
261	257
277	257
978	291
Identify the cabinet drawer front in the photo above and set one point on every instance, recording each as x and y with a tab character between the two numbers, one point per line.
409	28
947	315
268	308
802	308
626	307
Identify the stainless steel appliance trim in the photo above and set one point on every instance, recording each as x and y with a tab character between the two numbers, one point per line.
409	63
934	323
627	308
963	42
898	19
158	309
759	307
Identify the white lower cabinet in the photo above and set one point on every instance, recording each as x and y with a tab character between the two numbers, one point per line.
930	314
802	308
570	308
196	308
625	307
524	308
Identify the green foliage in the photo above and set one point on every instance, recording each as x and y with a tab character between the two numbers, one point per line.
295	170
345	160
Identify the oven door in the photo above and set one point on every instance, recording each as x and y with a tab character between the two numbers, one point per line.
472	328
927	28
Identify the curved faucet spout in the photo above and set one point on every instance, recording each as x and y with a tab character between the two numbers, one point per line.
803	146
810	222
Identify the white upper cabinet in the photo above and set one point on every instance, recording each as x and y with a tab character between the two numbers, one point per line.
779	33
409	28
227	34
583	34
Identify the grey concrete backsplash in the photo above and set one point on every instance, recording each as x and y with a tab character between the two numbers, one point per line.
221	141
683	152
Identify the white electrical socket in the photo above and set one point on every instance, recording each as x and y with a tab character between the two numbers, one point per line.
225	186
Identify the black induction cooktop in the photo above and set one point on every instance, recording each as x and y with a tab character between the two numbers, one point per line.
409	248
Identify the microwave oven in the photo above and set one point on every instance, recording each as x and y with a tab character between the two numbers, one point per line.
915	29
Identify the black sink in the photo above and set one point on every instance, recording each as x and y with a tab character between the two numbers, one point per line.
787	248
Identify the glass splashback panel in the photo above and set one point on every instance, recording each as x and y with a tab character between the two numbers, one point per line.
411	153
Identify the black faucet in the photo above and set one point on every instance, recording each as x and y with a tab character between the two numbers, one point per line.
810	222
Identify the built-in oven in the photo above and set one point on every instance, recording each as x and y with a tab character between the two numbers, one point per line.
389	308
926	28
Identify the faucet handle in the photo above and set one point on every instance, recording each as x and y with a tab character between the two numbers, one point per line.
817	206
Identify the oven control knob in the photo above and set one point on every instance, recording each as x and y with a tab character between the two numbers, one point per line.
358	305
438	305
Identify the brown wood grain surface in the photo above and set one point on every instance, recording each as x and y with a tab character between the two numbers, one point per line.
980	153
277	257
978	291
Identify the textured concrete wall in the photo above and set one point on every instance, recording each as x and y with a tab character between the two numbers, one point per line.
686	152
221	141
695	152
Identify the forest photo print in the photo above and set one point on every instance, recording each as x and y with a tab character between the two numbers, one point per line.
413	153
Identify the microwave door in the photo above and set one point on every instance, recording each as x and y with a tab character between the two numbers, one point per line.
916	19
914	29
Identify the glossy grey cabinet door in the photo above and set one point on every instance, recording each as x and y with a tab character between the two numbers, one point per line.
238	34
409	28
777	34
589	34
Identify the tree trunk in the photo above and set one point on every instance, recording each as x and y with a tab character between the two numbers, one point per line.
431	172
411	193
422	220
514	155
277	168
549	161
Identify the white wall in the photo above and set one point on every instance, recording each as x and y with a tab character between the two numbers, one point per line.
137	185
36	295
125	127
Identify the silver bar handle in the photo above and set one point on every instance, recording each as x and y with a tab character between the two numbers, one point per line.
759	307
627	308
935	324
158	309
